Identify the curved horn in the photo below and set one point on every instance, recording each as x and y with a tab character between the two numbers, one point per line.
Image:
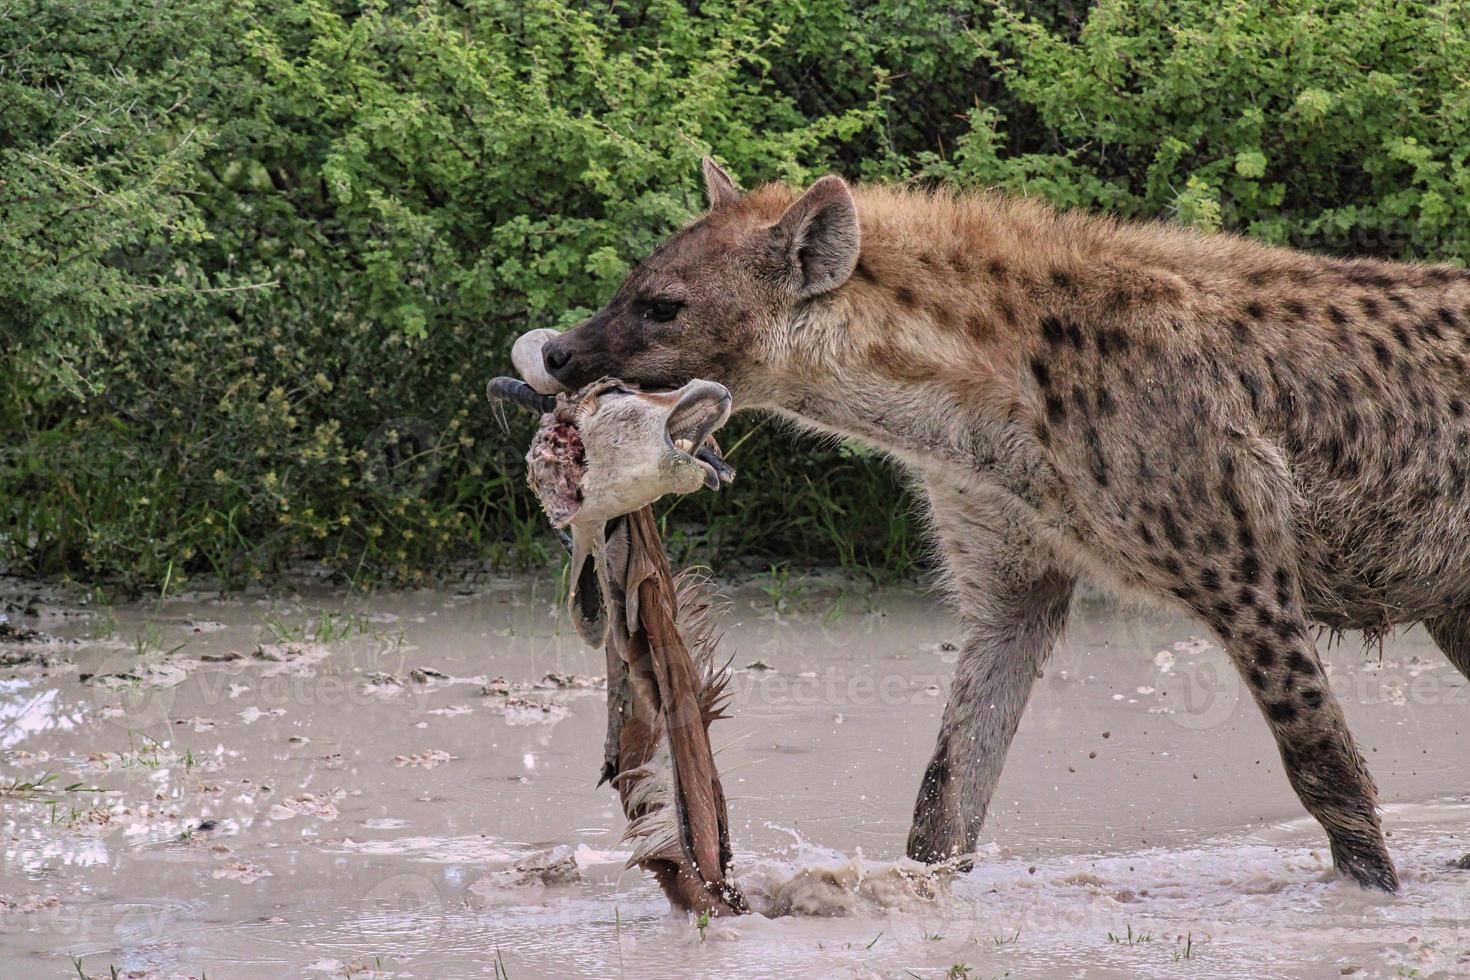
517	392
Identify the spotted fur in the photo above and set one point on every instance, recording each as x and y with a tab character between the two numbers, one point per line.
1269	439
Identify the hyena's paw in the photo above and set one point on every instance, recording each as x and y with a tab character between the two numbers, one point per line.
936	835
1367	863
930	847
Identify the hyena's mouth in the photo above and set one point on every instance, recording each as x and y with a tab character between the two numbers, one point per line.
699	413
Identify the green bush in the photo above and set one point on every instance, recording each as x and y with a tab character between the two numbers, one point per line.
258	260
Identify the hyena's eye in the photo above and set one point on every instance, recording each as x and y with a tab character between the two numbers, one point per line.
662	310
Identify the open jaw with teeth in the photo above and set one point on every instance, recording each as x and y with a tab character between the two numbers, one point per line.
599	458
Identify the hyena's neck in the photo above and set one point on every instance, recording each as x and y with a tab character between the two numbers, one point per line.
925	351
921	352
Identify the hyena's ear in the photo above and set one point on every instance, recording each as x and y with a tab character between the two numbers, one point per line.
718	186
819	237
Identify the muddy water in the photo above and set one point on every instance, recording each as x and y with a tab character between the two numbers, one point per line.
324	785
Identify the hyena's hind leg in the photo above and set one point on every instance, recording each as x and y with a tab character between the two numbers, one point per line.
1012	606
1452	633
1249	592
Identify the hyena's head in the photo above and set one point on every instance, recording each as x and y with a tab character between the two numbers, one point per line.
713	300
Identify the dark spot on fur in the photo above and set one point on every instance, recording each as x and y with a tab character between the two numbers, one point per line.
1380	351
1296	308
996	268
1370	306
905	297
979	327
1007	310
1172	532
1255	310
1110	341
1298	663
1398	301
1146	536
1375	279
1095	452
1283	587
1311	697
1252	386
1249	569
1053	330
1105	405
1241	332
1209	579
1402	336
1257	679
1040	372
863	272
1281	712
1061	278
1056	409
1337	316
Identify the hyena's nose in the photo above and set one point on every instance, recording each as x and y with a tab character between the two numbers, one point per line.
555	357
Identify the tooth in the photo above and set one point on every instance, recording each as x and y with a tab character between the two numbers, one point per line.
683	445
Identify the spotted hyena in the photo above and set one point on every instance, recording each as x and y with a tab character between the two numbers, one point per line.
1269	439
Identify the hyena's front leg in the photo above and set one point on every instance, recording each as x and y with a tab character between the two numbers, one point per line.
1013	604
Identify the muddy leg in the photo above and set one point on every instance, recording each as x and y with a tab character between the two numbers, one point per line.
1013	608
1452	633
1278	661
1251	594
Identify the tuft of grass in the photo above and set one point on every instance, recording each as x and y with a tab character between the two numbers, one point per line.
41	789
150	640
329	628
1130	938
785	595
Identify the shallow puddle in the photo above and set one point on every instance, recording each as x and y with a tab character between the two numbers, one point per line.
403	785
